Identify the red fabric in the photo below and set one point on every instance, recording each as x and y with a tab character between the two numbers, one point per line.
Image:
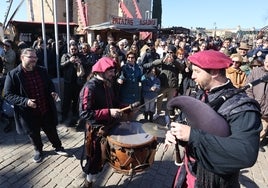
85	96
103	64
100	114
210	59
189	180
125	10
137	10
145	35
81	11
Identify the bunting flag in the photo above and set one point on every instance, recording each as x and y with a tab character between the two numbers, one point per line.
85	12
137	10
146	35
125	10
82	13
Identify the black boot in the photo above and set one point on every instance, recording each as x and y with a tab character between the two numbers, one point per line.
263	143
146	115
151	115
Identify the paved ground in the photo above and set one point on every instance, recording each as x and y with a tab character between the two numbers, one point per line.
17	169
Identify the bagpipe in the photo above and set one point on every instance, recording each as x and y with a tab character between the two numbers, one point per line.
209	121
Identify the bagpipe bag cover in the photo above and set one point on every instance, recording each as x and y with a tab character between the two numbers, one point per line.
200	115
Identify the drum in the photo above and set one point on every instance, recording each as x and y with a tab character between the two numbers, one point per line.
131	149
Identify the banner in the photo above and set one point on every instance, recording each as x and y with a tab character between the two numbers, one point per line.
115	20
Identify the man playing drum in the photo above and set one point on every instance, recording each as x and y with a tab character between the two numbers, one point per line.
98	106
212	160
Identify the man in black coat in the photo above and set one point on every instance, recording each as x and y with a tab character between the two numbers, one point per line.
32	93
213	159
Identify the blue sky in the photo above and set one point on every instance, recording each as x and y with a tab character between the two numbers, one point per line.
225	13
194	13
21	14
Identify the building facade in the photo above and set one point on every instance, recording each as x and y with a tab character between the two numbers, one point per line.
87	12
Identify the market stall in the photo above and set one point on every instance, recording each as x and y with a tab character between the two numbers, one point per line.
121	27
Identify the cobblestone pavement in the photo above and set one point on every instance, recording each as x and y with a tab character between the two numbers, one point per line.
17	169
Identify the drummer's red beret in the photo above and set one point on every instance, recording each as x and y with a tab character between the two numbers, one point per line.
103	64
210	59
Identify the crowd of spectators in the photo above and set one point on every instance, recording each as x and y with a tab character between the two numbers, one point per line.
135	59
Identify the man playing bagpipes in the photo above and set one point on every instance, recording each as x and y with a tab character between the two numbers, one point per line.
222	136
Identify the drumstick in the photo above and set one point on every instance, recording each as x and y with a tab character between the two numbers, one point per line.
131	106
136	104
151	100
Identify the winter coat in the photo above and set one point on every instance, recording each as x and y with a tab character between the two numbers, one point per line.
130	90
15	93
237	77
260	91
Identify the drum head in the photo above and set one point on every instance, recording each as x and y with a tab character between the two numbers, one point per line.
130	133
